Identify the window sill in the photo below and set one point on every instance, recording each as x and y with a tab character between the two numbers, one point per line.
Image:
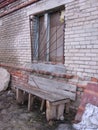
58	70
48	68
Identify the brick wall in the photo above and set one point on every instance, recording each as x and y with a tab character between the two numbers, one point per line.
15	46
81	38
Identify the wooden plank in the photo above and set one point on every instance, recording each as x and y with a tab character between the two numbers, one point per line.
61	102
54	112
30	101
51	112
53	86
42	105
60	112
67	107
52	82
19	96
43	94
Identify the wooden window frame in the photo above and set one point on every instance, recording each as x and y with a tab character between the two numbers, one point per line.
47	15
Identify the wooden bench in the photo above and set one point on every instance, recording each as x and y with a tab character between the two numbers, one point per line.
56	93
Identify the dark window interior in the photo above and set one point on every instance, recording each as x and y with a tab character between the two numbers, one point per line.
49	41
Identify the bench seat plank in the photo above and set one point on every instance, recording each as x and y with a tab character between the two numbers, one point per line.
54	89
42	94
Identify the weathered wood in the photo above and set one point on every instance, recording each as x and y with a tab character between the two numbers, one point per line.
50	82
25	96
60	112
56	93
52	86
19	96
54	107
30	101
50	111
42	93
61	102
42	105
54	111
67	107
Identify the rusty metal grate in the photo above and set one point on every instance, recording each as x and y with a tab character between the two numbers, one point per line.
49	40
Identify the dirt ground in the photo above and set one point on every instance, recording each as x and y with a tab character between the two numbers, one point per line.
17	117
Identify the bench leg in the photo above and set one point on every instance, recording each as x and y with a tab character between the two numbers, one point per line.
19	96
60	112
56	110
67	107
42	105
30	101
50	111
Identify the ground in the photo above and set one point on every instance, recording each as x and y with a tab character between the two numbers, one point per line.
16	117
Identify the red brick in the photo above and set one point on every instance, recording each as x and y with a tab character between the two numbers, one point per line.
90	96
94	79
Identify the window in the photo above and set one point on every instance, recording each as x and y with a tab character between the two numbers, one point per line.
47	37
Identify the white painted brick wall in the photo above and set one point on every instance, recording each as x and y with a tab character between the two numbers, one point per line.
81	37
15	43
15	46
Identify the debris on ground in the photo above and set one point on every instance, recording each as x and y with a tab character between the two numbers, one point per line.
90	95
89	119
4	79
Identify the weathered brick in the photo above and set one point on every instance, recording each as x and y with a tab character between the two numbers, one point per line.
80	41
84	40
90	96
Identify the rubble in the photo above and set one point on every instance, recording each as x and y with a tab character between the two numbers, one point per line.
4	79
89	119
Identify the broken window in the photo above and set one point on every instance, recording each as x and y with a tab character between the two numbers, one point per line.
47	36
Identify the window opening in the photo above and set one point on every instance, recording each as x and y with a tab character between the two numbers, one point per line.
48	37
